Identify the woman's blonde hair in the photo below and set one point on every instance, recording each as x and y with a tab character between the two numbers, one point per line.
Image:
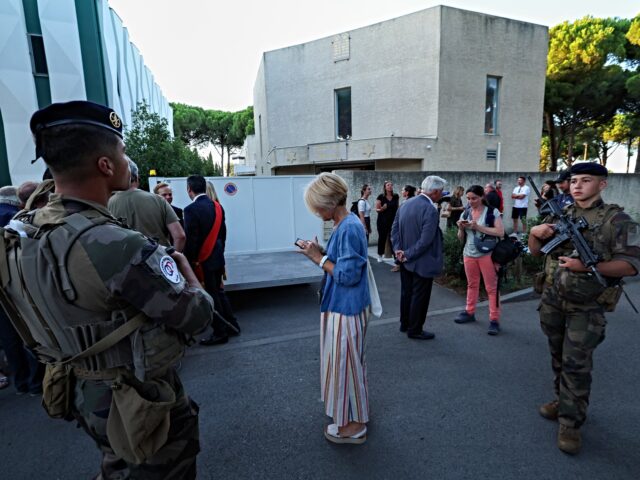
459	191
211	192
327	191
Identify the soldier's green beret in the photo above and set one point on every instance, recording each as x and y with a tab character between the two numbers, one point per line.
589	168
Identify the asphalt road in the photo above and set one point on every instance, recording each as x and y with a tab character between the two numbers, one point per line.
463	406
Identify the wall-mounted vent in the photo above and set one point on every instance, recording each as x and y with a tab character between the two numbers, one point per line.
492	154
341	47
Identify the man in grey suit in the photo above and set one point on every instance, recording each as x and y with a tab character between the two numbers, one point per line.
417	243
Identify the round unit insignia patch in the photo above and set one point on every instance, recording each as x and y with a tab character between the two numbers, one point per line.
169	269
230	189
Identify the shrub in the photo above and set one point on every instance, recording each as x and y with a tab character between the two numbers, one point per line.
453	264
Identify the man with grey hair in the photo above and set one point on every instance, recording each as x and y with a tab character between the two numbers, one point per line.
147	213
417	242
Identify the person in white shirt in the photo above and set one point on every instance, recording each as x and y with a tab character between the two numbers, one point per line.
520	198
364	209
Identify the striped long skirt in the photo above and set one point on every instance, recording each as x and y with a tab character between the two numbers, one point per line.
343	371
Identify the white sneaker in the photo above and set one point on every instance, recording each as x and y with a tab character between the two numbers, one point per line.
379	259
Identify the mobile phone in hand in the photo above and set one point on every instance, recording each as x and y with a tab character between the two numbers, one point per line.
299	243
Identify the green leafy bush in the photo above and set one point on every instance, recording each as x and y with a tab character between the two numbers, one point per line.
453	264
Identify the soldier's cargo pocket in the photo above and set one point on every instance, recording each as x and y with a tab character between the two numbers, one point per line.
538	282
578	287
610	297
57	387
138	427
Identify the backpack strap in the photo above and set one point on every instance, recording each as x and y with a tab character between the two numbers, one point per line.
490	218
76	224
110	340
466	214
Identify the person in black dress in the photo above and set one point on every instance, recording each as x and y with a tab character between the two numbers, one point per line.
386	206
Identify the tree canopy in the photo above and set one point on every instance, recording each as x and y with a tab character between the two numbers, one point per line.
150	146
225	131
592	89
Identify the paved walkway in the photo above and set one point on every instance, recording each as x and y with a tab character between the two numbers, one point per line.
462	406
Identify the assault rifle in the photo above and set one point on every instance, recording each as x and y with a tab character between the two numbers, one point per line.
568	228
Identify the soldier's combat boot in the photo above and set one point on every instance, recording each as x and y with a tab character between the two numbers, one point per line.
549	410
569	439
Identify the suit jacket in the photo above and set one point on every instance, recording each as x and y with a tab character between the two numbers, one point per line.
416	231
179	214
199	217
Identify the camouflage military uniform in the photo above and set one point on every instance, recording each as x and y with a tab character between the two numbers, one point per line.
573	305
115	269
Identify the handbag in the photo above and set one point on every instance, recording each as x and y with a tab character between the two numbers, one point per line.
376	306
484	243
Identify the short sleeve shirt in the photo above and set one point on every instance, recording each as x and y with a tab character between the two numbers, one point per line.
470	249
524	202
387	216
364	207
145	212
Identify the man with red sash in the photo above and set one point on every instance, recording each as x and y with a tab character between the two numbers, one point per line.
206	236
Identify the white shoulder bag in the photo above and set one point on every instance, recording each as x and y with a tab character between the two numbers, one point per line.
376	306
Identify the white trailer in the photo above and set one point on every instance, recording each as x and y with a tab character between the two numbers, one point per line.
264	216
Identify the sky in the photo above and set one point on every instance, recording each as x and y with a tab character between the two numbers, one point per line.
207	52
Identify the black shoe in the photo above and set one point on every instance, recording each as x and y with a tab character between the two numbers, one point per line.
464	317
403	329
494	328
214	340
423	335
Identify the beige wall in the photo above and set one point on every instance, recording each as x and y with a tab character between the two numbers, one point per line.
418	90
512	50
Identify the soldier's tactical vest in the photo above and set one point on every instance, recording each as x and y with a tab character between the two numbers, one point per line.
40	299
579	287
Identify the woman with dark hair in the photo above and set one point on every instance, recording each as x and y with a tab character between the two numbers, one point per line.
408	191
455	207
478	221
386	206
364	209
548	191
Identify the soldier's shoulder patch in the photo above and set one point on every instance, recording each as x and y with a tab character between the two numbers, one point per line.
169	269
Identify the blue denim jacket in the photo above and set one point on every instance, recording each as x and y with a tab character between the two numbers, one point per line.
347	290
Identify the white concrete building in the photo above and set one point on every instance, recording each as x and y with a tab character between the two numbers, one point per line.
57	51
439	89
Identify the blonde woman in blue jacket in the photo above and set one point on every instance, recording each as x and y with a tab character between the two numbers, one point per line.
344	310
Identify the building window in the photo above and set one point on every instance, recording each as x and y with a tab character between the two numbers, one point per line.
343	113
38	57
491	109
